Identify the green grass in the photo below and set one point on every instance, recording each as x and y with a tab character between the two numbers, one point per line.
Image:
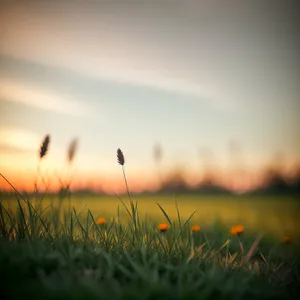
271	215
47	254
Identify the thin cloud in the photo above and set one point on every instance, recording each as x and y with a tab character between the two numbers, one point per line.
13	149
17	91
18	139
91	86
127	60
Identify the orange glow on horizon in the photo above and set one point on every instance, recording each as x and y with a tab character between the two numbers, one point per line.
110	185
113	184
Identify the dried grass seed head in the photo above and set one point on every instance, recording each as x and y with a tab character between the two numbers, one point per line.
72	150
120	156
44	146
157	151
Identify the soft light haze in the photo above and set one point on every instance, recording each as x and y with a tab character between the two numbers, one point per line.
190	75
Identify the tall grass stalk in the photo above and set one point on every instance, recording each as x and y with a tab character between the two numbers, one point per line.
133	205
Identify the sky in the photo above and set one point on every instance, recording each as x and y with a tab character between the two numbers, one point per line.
212	82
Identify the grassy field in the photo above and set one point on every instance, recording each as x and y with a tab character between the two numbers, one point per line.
275	216
52	254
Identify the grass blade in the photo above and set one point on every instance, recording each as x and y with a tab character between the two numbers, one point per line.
165	214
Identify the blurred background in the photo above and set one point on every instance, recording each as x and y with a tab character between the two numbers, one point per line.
201	96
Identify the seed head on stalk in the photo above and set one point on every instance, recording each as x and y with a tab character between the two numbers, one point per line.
44	146
120	156
72	150
133	205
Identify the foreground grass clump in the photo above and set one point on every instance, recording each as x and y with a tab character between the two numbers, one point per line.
79	258
67	269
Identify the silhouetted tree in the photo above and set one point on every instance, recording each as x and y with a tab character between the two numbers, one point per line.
296	181
275	182
175	182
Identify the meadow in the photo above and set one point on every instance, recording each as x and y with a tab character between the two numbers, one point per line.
148	246
276	216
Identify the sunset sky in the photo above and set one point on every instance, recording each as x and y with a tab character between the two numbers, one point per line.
190	75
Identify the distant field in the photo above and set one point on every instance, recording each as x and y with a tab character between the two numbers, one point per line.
276	216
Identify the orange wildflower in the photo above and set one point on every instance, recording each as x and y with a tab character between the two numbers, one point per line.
237	229
196	228
101	221
163	227
12	235
286	240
